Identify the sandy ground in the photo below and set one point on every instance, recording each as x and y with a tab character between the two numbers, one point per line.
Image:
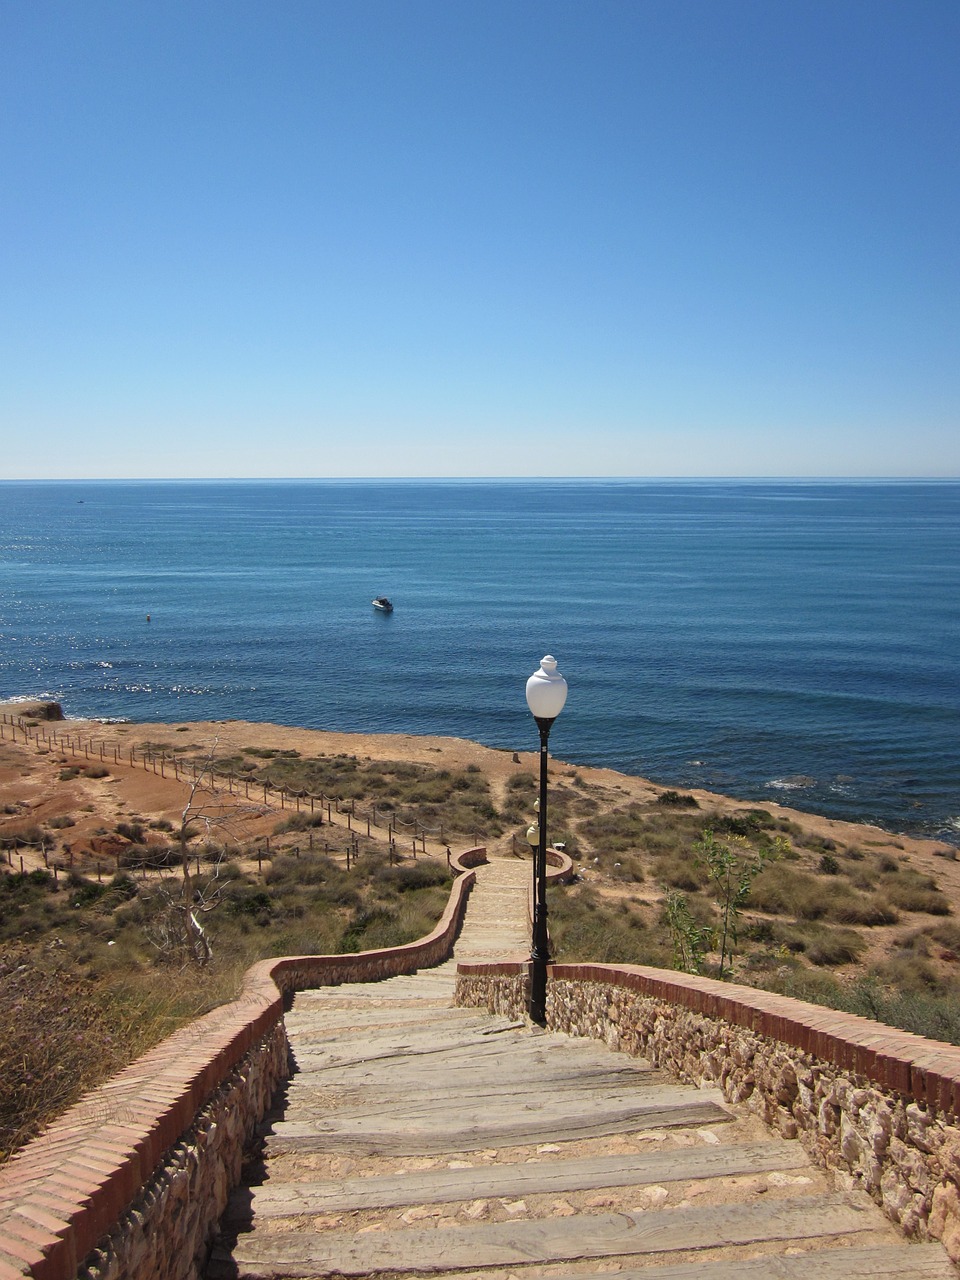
36	789
30	785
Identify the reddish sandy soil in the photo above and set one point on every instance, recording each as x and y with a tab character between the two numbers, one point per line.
32	792
29	779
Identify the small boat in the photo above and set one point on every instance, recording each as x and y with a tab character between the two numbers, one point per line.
383	604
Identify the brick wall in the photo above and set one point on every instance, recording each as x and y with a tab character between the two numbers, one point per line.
131	1181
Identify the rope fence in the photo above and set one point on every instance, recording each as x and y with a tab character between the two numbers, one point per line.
331	808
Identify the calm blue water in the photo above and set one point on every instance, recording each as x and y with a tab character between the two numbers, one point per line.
772	640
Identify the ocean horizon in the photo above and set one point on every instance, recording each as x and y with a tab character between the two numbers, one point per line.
791	640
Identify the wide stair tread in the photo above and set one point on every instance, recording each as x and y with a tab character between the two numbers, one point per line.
625	1235
415	1138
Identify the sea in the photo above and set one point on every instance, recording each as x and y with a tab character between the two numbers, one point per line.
774	640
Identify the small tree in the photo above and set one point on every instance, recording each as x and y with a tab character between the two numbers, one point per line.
176	928
690	940
731	873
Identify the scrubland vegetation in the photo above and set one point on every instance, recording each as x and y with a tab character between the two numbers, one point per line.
854	928
95	960
94	965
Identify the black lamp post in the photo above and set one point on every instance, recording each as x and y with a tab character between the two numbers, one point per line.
546	694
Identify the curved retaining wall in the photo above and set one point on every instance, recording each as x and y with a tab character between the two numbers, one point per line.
476	857
559	867
880	1105
131	1181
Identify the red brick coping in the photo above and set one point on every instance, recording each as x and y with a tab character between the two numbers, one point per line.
476	857
926	1071
559	867
68	1188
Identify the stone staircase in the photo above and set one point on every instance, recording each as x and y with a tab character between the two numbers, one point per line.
418	1138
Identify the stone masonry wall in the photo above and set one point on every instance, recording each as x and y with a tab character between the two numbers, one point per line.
878	1105
130	1183
167	1234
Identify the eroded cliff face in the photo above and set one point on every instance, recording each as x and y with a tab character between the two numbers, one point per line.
39	710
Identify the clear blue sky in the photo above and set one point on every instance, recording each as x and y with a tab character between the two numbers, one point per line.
479	237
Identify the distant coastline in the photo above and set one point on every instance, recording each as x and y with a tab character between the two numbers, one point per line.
436	750
766	639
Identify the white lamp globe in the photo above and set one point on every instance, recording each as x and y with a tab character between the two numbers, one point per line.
546	690
533	835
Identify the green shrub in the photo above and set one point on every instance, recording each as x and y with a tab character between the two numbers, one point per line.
677	800
584	927
823	945
153	857
25	885
310	869
786	890
936	1016
367	924
298	822
911	898
869	911
132	831
948	935
82	891
422	874
680	873
123	886
907	973
250	902
747	822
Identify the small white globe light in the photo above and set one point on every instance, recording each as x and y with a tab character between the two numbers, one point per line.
546	690
533	835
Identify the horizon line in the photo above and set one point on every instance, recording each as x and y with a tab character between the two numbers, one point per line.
492	479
